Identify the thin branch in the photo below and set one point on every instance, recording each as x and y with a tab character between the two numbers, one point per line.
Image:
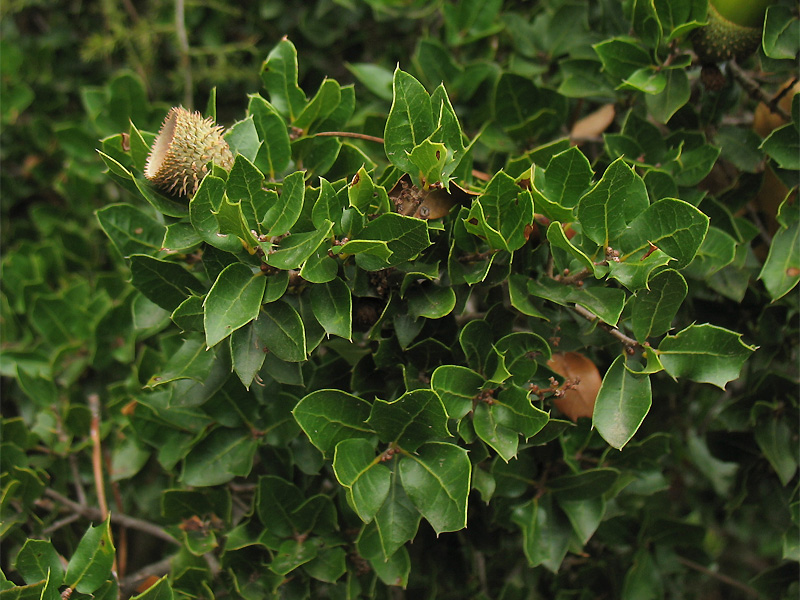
589	316
94	514
720	577
350	134
186	61
754	90
762	230
61	523
97	454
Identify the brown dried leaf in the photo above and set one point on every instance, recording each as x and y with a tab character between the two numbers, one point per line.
578	401
593	124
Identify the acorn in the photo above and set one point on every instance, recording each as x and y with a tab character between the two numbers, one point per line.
733	30
185	145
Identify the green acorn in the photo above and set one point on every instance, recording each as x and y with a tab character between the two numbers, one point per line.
185	145
733	30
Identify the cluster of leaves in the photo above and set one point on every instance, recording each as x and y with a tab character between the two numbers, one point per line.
344	335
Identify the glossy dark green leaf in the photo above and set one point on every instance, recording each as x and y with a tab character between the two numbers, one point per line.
583	486
634	274
676	93
673	226
368	481
781	270
92	560
243	139
232	302
282	331
160	590
193	360
781	33
783	146
501	214
436	479
410	120
38	560
293	553
774	437
409	421
404	237
621	56
615	201
131	230
653	309
704	353
274	150
284	214
320	106
330	416
203	209
224	454
395	523
247	353
294	250
622	404
279	75
606	303
332	304
585	516
456	386
165	283
431	301
568	175
545	532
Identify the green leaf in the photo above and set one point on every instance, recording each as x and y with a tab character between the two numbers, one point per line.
676	93
704	353
456	386
92	560
203	210
409	421
396	522
583	486
606	303
436	480
568	174
404	237
281	330
781	270
634	274
224	454
232	302
774	437
696	164
783	146
276	500
430	160
653	309
643	580
375	78
500	422
130	230
359	191
320	106
332	304
191	361
284	214
294	250
501	214
545	533
673	226
622	404
292	554
274	150
357	468
243	139
558	238
518	293
431	301
247	353
617	199
584	515
622	56
38	560
165	283
781	33
410	120
279	75
330	416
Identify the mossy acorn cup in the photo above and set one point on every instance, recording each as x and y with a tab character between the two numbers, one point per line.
185	145
733	30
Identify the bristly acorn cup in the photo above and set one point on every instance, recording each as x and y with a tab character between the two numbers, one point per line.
185	145
733	30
